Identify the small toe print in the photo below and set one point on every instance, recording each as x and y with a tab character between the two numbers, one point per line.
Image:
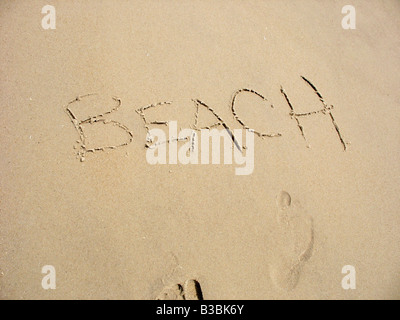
192	290
283	200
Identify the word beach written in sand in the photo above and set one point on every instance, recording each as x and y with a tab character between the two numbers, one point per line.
190	135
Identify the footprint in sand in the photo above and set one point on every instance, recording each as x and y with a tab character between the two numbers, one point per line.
174	292
189	291
294	240
192	290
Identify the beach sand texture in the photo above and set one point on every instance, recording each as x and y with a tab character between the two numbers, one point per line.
324	192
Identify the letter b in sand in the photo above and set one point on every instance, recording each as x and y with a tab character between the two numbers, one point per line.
349	281
49	280
349	20
49	20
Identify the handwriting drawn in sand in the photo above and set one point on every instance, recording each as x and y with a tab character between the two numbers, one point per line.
78	124
100	118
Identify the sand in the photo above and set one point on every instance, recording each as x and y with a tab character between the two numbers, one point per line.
114	226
